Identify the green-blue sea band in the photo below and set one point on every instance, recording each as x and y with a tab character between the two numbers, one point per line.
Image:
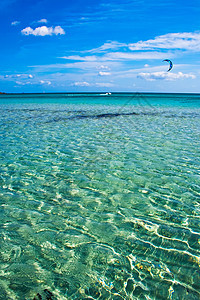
163	99
100	196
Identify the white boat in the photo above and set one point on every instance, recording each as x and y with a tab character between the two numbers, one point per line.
106	94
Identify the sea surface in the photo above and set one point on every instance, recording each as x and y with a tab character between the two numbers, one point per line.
99	196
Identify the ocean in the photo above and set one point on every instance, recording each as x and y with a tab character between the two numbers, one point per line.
100	196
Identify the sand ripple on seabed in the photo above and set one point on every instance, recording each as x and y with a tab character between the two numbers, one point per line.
101	210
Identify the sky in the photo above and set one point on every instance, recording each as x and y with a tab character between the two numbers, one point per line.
96	46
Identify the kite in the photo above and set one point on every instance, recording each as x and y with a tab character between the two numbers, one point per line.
170	64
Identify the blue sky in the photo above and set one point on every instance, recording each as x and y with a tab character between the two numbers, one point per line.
106	45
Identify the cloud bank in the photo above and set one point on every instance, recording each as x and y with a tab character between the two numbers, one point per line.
170	41
181	41
43	30
164	76
117	65
21	76
81	83
94	84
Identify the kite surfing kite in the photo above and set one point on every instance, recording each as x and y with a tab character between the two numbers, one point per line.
170	64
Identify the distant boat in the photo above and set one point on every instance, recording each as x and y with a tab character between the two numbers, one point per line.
106	94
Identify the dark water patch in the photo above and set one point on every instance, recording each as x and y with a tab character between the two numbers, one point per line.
107	115
100	116
43	110
120	114
90	116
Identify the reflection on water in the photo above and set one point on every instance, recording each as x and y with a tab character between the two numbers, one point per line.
99	208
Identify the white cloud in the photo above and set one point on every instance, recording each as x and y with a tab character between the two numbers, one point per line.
110	56
156	48
81	58
88	66
43	30
101	73
45	82
104	84
15	23
110	45
173	41
82	83
84	18
103	67
23	83
181	41
42	21
133	56
20	83
22	76
164	76
58	30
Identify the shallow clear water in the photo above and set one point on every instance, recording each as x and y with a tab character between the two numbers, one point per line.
100	196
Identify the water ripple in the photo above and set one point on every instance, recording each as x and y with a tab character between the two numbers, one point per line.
101	207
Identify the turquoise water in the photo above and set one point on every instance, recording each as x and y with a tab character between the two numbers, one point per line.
100	196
